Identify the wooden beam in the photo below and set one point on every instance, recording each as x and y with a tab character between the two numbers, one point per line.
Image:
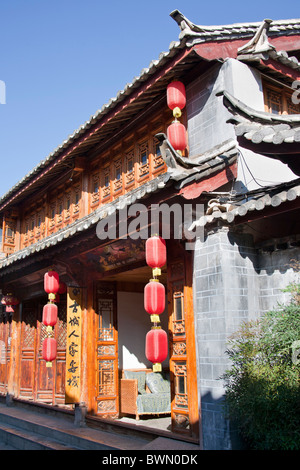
281	68
212	50
194	190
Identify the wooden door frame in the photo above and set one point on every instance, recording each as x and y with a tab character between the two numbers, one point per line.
110	401
21	356
185	413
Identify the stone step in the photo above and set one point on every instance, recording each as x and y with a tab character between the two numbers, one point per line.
20	439
26	429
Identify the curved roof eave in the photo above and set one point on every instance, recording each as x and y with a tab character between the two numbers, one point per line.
188	37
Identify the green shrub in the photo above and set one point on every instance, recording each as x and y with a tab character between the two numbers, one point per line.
263	384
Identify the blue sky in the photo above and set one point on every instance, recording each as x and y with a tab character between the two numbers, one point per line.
61	60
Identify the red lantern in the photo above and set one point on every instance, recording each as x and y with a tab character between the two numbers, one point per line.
154	297
50	314
9	300
156	252
156	347
49	350
176	97
51	282
176	133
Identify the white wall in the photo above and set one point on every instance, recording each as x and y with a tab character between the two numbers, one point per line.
244	83
255	170
133	325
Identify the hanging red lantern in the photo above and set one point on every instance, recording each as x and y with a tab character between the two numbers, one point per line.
176	97
154	297
49	351
50	314
156	252
51	282
156	347
9	301
176	134
62	288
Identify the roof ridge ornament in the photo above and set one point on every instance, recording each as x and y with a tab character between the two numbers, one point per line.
259	43
186	25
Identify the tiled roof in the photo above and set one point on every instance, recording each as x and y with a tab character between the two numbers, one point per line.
89	221
187	170
200	33
181	172
269	197
190	34
259	126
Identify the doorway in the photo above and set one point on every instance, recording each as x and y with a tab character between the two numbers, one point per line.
126	324
36	381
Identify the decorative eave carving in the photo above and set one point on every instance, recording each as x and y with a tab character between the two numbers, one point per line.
186	26
256	31
186	170
273	135
259	43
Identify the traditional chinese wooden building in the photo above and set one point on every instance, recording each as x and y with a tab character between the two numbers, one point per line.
84	210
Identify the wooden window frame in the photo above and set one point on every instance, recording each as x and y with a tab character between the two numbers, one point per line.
67	206
117	181
95	190
105	184
129	172
286	105
144	168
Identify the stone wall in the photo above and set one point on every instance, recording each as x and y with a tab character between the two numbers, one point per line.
233	282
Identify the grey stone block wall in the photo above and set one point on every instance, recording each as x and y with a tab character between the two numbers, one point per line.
206	113
233	282
275	273
224	280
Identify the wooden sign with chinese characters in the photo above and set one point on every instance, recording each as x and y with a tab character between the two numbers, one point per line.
73	349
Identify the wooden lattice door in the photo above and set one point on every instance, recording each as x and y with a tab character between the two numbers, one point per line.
107	350
184	410
28	350
50	381
36	381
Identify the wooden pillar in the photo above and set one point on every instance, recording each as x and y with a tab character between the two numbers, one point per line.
184	410
88	360
74	345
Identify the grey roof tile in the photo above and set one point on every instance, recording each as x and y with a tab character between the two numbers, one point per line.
269	197
259	126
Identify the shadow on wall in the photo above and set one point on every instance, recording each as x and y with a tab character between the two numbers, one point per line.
280	256
133	325
219	433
